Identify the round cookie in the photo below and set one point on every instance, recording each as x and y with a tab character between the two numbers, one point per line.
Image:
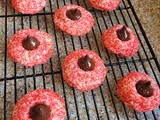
30	47
105	5
38	104
84	70
121	40
28	6
73	20
139	91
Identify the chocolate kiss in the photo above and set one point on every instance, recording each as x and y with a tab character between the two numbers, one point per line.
144	88
74	14
40	112
123	34
86	63
30	43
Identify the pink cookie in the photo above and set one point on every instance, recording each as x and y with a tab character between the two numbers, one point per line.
74	20
121	40
53	101
27	57
105	5
139	91
28	6
82	72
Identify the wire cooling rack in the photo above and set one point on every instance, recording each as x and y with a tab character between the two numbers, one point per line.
98	104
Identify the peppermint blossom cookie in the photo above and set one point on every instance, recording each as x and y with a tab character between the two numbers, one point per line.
84	70
74	20
42	104
28	6
121	40
30	47
139	91
105	5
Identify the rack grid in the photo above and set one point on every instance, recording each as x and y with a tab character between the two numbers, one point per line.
98	104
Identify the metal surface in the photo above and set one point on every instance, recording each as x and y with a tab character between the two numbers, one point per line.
99	104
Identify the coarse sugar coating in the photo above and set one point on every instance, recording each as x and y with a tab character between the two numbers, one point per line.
74	27
80	79
41	96
128	93
124	48
40	55
105	5
28	6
